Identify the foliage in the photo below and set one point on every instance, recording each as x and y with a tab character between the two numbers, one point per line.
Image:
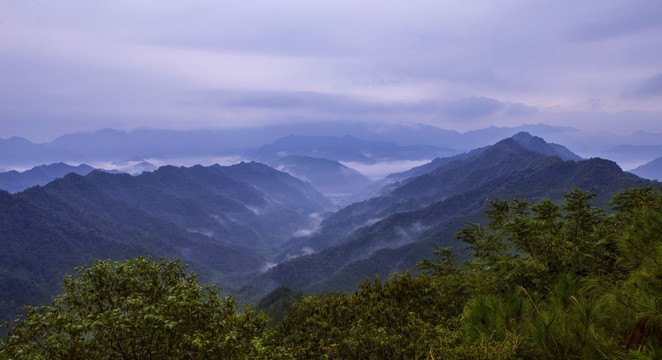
383	320
135	309
277	303
597	290
544	281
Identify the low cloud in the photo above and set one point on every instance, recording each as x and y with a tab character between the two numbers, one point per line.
379	170
304	251
650	87
314	222
291	62
317	103
629	18
287	100
594	104
519	109
470	108
267	266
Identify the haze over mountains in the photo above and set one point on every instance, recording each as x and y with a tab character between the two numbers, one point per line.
650	170
254	226
160	147
14	181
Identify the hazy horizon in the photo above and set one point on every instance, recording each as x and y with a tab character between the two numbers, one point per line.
84	66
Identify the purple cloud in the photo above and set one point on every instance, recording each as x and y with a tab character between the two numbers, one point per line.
651	87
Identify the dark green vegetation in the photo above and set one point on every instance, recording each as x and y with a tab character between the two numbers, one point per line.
542	281
137	309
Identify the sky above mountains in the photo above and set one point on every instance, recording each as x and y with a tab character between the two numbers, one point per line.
83	65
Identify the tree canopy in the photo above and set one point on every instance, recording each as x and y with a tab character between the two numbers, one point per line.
136	309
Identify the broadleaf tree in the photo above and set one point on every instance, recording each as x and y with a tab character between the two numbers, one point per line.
136	309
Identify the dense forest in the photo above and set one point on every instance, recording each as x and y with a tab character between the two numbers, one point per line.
537	281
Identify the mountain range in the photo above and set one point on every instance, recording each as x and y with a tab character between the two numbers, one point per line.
392	231
346	148
252	227
188	147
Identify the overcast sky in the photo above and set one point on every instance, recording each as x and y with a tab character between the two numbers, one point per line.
75	65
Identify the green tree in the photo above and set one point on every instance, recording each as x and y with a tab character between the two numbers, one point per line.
598	289
136	309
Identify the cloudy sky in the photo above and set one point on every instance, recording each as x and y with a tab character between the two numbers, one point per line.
77	65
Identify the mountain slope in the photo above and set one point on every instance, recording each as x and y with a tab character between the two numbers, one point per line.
392	231
45	232
248	205
453	176
224	221
650	170
539	145
329	176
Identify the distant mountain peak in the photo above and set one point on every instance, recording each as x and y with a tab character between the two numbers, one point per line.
345	148
523	136
650	170
539	145
17	139
15	181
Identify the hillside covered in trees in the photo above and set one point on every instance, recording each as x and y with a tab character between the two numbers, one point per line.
549	280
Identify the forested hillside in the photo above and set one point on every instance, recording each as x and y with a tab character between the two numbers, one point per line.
224	221
392	231
543	280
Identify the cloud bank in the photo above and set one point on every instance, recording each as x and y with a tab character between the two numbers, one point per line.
83	65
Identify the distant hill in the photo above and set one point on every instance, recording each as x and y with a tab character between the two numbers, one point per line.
14	181
491	159
539	145
650	170
530	142
346	148
108	145
633	153
392	231
329	176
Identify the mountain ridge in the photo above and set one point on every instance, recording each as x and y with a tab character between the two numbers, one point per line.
650	170
14	181
405	222
224	221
